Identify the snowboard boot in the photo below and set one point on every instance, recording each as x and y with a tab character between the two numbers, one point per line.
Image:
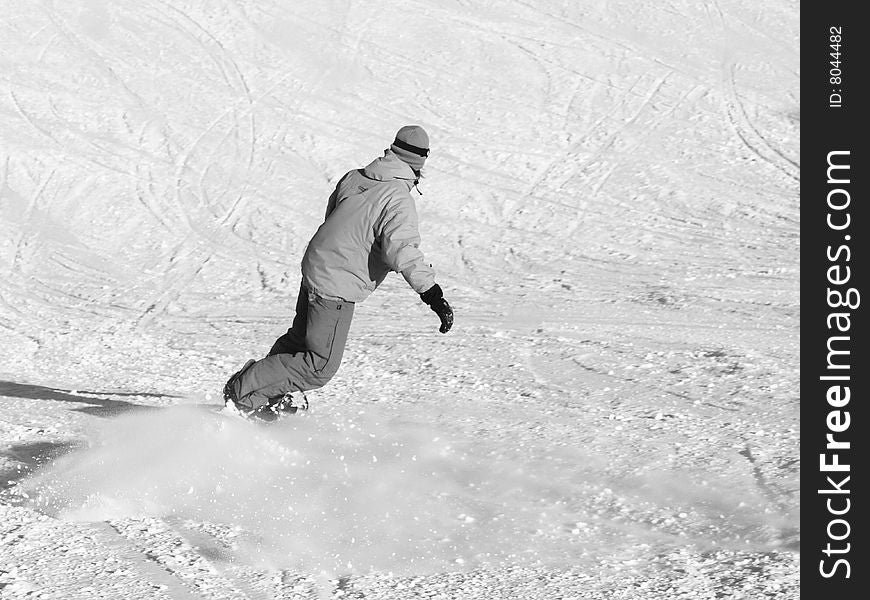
264	413
288	405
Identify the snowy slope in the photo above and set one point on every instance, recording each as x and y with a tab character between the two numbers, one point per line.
612	207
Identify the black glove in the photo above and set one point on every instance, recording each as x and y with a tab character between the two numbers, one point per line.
434	297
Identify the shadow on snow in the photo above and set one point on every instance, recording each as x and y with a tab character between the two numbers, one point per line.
32	455
96	406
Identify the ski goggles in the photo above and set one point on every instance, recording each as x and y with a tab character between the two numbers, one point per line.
411	148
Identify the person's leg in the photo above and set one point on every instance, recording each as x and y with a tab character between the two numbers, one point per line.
326	329
294	340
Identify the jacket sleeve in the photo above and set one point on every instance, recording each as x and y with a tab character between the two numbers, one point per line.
400	244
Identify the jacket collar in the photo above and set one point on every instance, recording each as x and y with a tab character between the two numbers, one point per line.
389	166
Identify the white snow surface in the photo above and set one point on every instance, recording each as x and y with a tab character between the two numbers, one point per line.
612	207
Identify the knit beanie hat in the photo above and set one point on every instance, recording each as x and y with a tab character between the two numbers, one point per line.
411	145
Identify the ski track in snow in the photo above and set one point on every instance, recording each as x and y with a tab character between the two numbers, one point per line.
612	205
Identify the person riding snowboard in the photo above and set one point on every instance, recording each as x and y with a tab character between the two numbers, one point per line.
370	229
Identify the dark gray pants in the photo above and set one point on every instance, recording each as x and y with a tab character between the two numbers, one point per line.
306	357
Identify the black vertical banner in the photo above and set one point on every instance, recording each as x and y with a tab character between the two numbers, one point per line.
834	265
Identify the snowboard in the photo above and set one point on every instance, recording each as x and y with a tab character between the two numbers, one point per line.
285	407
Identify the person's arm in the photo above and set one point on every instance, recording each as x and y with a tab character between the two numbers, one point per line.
400	241
400	244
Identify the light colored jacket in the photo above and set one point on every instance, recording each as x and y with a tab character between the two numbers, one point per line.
371	228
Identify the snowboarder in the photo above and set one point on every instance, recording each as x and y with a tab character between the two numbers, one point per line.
370	229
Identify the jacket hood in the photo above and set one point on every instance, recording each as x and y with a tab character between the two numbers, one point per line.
389	166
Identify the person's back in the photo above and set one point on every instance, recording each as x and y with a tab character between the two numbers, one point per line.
371	228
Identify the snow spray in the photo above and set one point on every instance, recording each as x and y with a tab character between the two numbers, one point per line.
338	493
